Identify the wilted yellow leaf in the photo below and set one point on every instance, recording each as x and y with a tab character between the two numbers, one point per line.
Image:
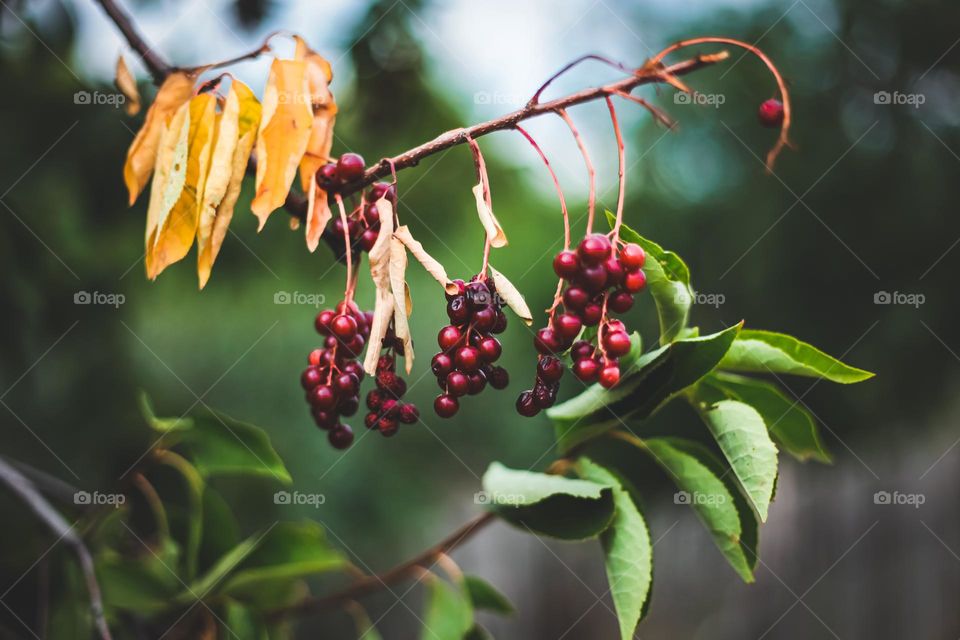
379	257
402	303
318	213
228	164
284	134
173	93
127	85
429	263
509	294
174	228
489	221
319	75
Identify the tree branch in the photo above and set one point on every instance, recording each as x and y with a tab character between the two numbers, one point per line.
401	572
158	68
24	489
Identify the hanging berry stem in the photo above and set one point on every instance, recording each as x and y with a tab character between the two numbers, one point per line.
623	178
659	115
484	180
570	65
592	198
348	292
784	139
556	183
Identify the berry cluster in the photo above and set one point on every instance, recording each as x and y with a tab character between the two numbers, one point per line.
363	223
468	347
600	280
332	379
386	409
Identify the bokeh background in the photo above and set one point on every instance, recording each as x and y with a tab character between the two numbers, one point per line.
865	204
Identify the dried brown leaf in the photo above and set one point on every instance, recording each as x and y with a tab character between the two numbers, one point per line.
489	221
318	213
429	263
127	85
402	303
379	257
512	296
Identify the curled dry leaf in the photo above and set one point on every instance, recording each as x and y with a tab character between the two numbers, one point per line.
127	85
495	233
283	136
172	222
379	256
318	213
228	164
402	303
142	154
429	263
512	296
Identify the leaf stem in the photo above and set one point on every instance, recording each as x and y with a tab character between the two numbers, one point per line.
592	198
556	183
623	177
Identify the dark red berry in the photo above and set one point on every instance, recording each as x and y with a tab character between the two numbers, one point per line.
567	325
328	175
467	358
609	376
324	419
500	324
461	288
490	349
387	426
586	370
549	369
632	256
448	337
368	238
634	281
591	314
476	382
498	377
575	298
594	249
457	383
389	407
615	272
441	365
546	341
409	414
593	277
346	384
617	343
484	319
544	395
620	301
478	295
446	406
348	406
350	167
322	323
526	406
458	310
344	327
771	113
374	399
310	378
322	397
566	265
341	436
314	357
581	349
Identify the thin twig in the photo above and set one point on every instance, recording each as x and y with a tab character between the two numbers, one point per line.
623	176
24	489
158	68
556	183
592	198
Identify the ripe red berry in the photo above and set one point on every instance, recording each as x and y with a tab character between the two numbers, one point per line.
389	407
615	272
368	238
467	358
409	414
448	337
327	175
441	365
567	325
586	370
498	377
581	349
350	167
620	301
546	341
344	327
484	319
348	406
458	310
566	265
446	406
591	314
374	399
476	382
609	376
457	383
370	420
594	249
346	384
490	349
526	406
771	113
634	281
575	298
322	323
387	426
322	397
617	343
314	358
500	324
549	369
341	436
324	419
632	256
310	378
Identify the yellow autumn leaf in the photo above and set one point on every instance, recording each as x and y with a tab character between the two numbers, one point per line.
176	227
319	74
174	93
402	303
489	221
127	85
379	256
284	133
228	164
431	264
318	213
170	174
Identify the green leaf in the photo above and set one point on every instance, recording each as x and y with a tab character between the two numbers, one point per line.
552	505
628	553
791	426
485	596
287	552
668	280
143	584
742	436
768	352
657	376
449	615
163	425
222	568
698	476
194	516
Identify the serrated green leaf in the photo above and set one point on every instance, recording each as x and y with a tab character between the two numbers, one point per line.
703	489
628	553
551	505
768	352
668	281
742	436
485	596
288	551
656	377
449	615
791	426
